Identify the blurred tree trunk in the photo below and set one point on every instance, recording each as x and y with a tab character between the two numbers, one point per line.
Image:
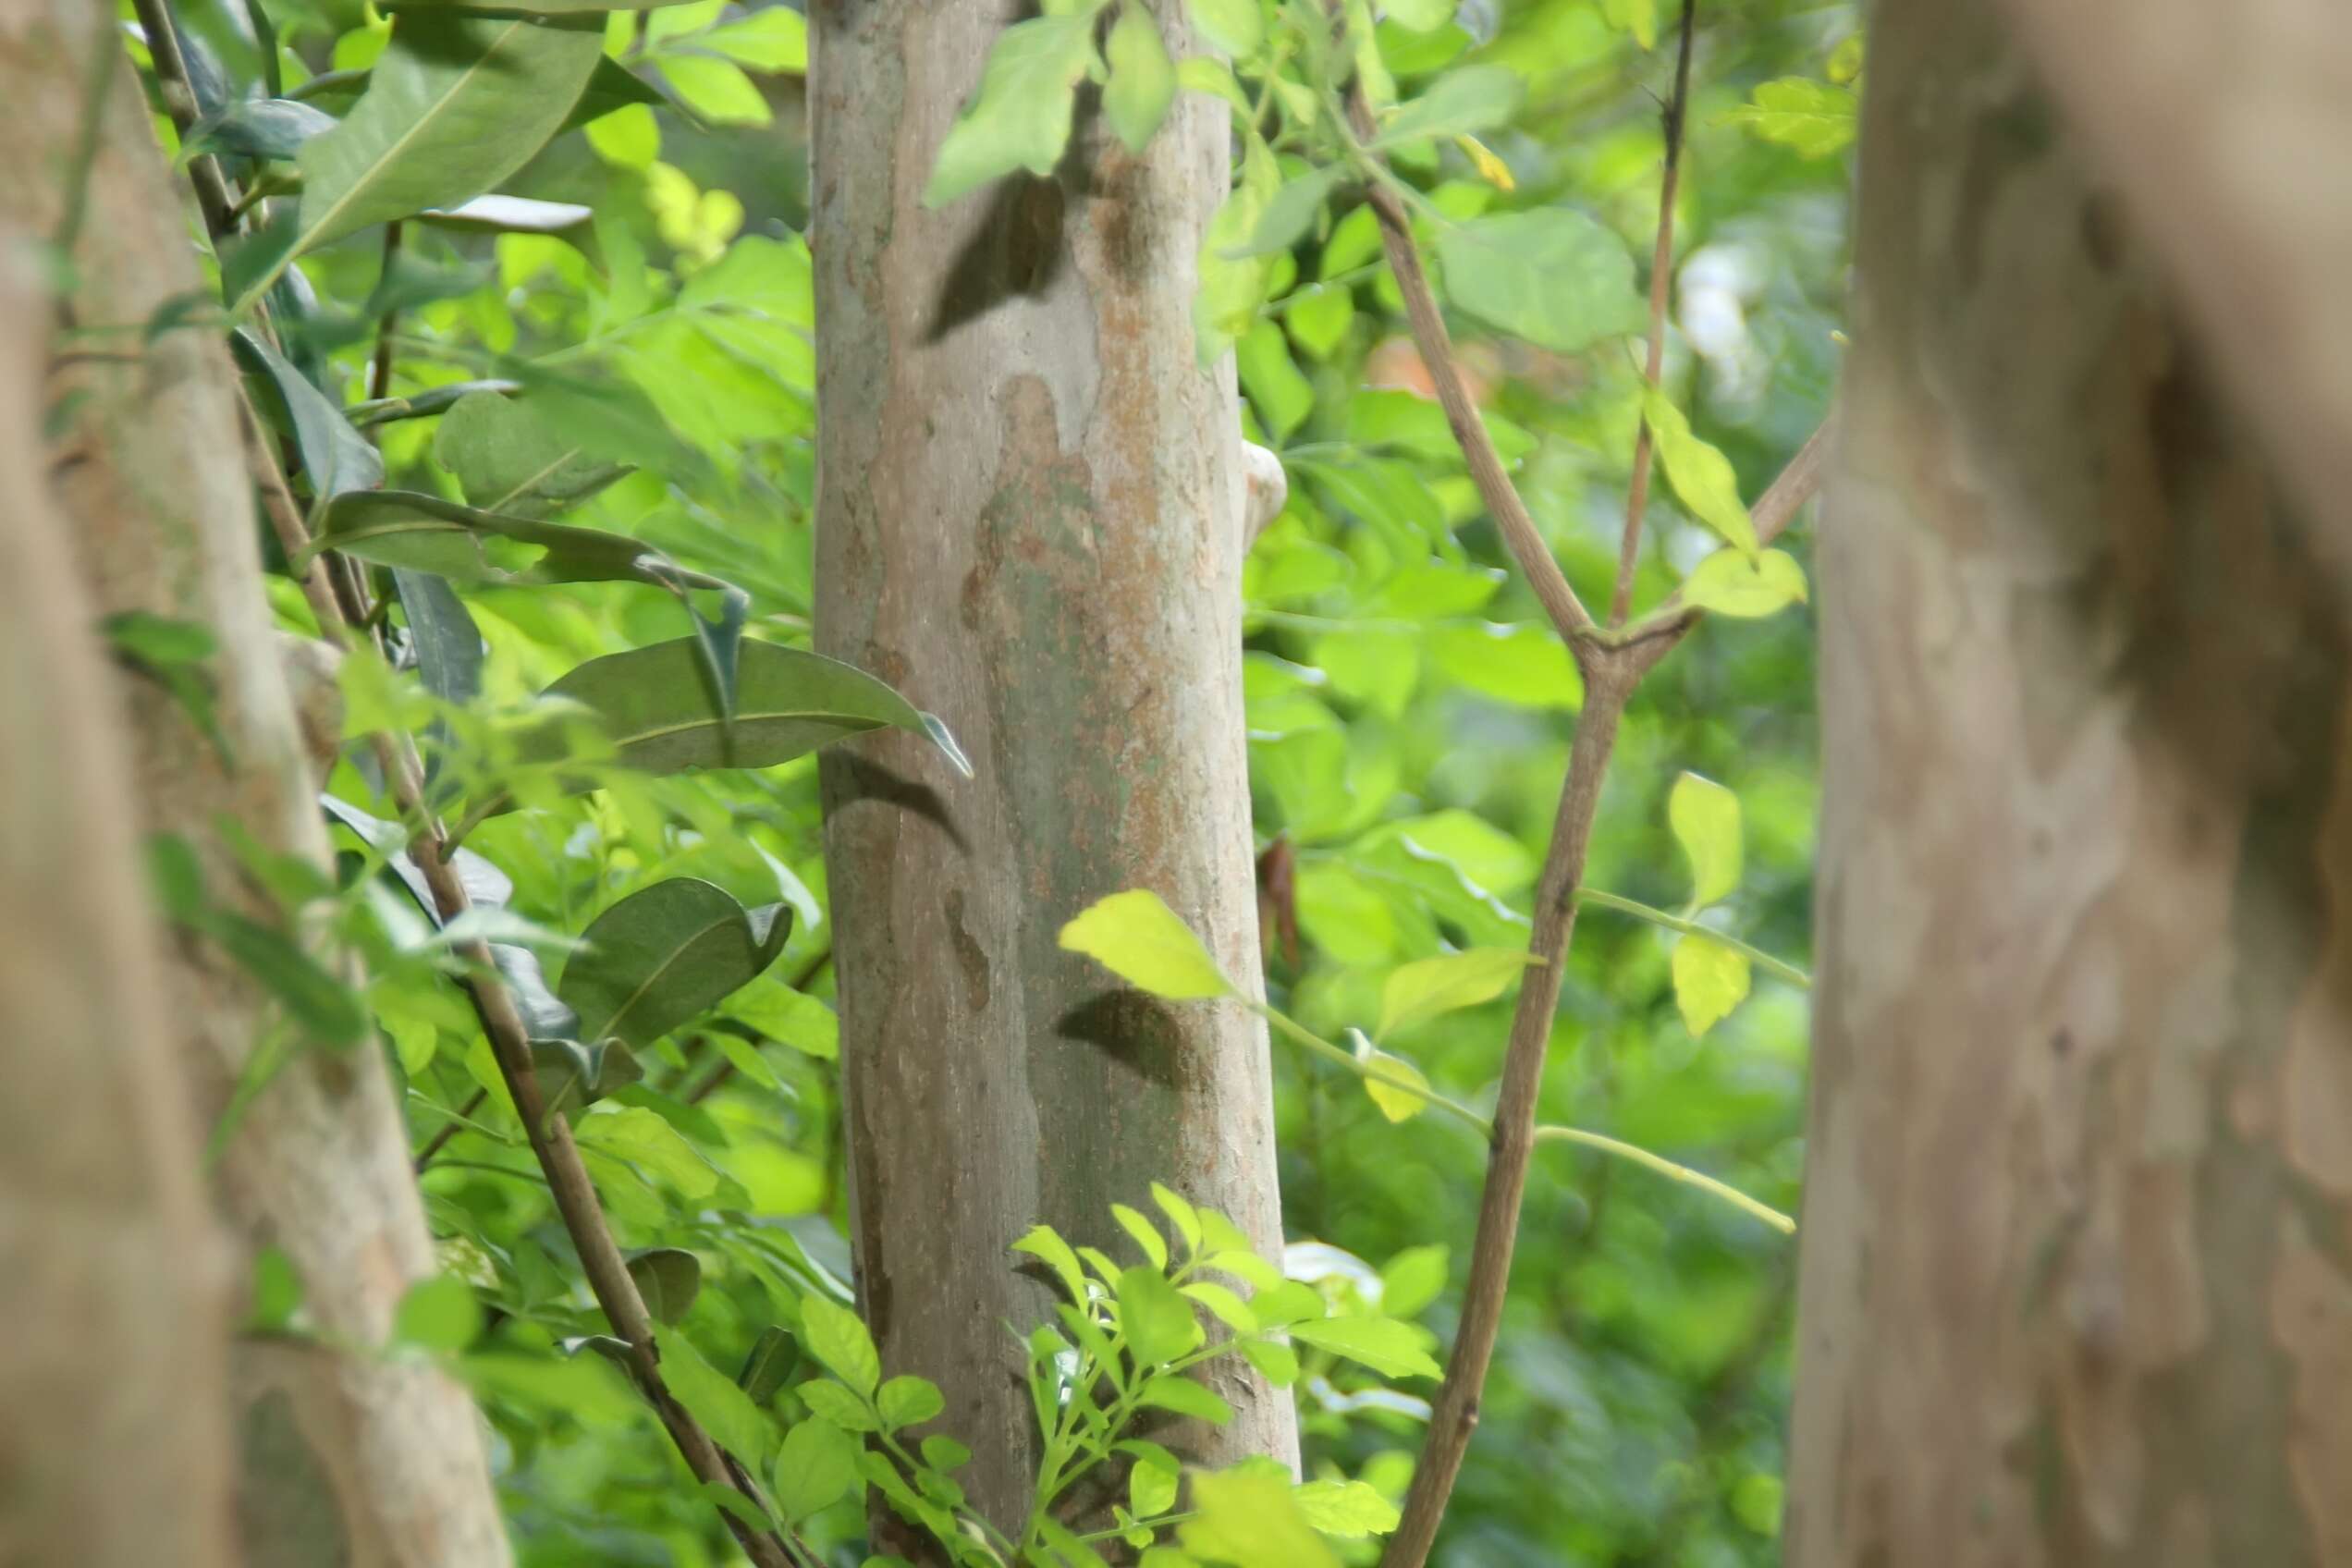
112	1412
2076	1258
344	1457
1030	517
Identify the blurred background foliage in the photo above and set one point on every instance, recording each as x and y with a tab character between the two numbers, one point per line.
1409	721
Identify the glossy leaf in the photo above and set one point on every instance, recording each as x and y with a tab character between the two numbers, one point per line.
1019	118
1706	820
447	643
336	459
665	954
1556	278
662	717
1137	936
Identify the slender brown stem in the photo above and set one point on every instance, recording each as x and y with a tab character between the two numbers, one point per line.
379	366
212	198
1526	542
1662	279
559	1158
449	1130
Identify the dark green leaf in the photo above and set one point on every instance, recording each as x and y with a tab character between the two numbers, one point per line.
448	644
335	458
261	127
509	459
469	544
665	954
670	1278
770	1364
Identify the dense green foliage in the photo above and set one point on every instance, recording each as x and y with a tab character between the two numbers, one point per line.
567	428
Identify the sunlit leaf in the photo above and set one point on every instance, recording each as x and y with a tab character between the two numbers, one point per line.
1554	278
1349	1510
1710	981
836	1337
1389	1347
1701	475
1143	79
1019	118
1816	118
817	1468
1137	936
1732	583
1426	987
1251	1520
1706	820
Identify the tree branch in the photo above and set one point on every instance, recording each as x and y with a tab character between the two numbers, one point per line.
1661	276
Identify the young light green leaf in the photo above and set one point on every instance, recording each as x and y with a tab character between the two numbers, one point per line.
1043	1242
1223	1306
1706	819
1156	1317
509	459
1428	987
1460	103
1235	27
658	710
1174	1391
439	1313
1181	1214
1420	16
1290	212
1389	1347
1412	1279
1143	79
1393	1089
1732	583
1845	60
457	104
773	40
817	1468
717	89
725	1411
836	1337
1710	981
642	1139
665	954
1020	116
1137	936
908	1402
828	1400
670	1278
1276	1362
1147	1235
1251	1520
1814	117
1151	1489
1230	291
1637	16
1556	278
1701	476
1281	396
1350	1509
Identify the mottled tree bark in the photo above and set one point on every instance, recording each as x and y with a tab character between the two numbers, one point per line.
2077	1259
343	1458
113	1411
1030	517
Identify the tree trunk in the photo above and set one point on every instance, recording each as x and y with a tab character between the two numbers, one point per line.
345	1458
2075	1282
113	1415
1030	519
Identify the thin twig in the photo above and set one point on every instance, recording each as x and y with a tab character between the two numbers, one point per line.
379	366
720	1075
449	1130
566	1173
1661	276
1798	482
1780	968
212	198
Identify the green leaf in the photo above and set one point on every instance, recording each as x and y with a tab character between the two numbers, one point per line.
159	640
1701	475
943	1452
1143	79
830	1401
408	528
1813	117
509	459
665	954
1157	1319
447	643
1845	60
1235	27
1426	987
1396	1101
716	89
1350	1509
1043	1242
1251	1520
1174	1391
1020	116
439	1313
261	127
335	458
817	1468
725	1411
662	717
457	104
1412	1279
1389	1347
1556	278
1137	936
835	1336
641	1138
1281	395
908	1402
1223	1305
1420	16
1181	1214
1146	1234
1637	16
769	1367
1523	664
1276	1362
1732	583
1151	1489
1710	981
1289	215
670	1278
1460	103
1706	819
772	40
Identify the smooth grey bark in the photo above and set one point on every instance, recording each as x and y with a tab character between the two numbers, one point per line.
1030	517
343	1457
2074	1287
114	1415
